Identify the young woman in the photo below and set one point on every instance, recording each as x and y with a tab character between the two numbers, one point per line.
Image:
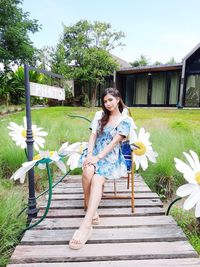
102	159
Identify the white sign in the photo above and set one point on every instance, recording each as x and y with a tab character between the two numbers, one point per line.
43	90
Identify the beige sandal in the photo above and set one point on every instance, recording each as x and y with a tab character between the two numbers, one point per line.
80	236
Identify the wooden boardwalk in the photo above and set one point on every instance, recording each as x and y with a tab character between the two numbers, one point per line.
146	238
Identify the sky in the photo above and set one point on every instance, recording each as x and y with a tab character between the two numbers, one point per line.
158	29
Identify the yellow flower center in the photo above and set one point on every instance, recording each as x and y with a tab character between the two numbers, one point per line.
51	153
37	157
140	151
197	177
47	155
24	133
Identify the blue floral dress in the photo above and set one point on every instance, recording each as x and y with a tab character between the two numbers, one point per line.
113	165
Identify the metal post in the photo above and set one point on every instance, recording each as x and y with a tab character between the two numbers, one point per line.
32	210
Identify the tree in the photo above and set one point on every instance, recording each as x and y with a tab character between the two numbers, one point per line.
171	61
83	53
157	63
15	44
44	57
142	61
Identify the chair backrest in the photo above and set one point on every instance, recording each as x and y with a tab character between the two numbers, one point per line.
126	151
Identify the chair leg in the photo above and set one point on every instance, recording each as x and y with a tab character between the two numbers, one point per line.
128	180
132	183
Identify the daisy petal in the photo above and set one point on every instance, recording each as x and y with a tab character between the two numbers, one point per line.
60	164
185	190
190	160
185	169
73	161
137	164
62	150
196	160
144	162
192	200
197	210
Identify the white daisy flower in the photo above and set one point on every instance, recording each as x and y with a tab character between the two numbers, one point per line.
18	134
145	150
39	160
74	152
63	149
191	173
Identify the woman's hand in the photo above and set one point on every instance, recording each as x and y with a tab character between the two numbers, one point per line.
90	160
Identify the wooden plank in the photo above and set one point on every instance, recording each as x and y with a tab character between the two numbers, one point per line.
96	252
115	235
106	222
185	262
105	203
80	190
109	184
78	179
74	213
80	196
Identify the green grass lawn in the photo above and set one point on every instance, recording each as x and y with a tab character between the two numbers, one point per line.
172	132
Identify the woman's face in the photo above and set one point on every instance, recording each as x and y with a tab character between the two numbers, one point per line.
110	102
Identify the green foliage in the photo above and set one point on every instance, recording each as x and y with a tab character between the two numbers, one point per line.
12	84
180	125
142	61
86	102
11	202
44	57
171	61
157	62
190	226
59	63
15	25
83	53
85	34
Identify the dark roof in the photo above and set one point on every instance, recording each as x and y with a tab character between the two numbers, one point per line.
151	68
122	63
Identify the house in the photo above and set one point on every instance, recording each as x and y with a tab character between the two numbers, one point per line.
162	85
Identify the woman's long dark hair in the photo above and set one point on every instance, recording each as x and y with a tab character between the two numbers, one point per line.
106	113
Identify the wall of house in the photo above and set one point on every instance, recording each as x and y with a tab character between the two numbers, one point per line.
150	89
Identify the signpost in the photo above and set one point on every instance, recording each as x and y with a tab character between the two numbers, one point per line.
47	91
43	91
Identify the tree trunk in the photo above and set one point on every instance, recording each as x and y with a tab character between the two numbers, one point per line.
7	99
94	95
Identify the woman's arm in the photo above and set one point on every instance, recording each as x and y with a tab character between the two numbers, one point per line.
118	138
91	143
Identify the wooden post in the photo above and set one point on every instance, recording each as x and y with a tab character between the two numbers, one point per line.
132	182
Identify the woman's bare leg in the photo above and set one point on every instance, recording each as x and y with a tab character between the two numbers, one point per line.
93	203
88	173
96	190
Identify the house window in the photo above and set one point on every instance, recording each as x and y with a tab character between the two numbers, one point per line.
174	88
192	98
158	89
141	90
129	90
